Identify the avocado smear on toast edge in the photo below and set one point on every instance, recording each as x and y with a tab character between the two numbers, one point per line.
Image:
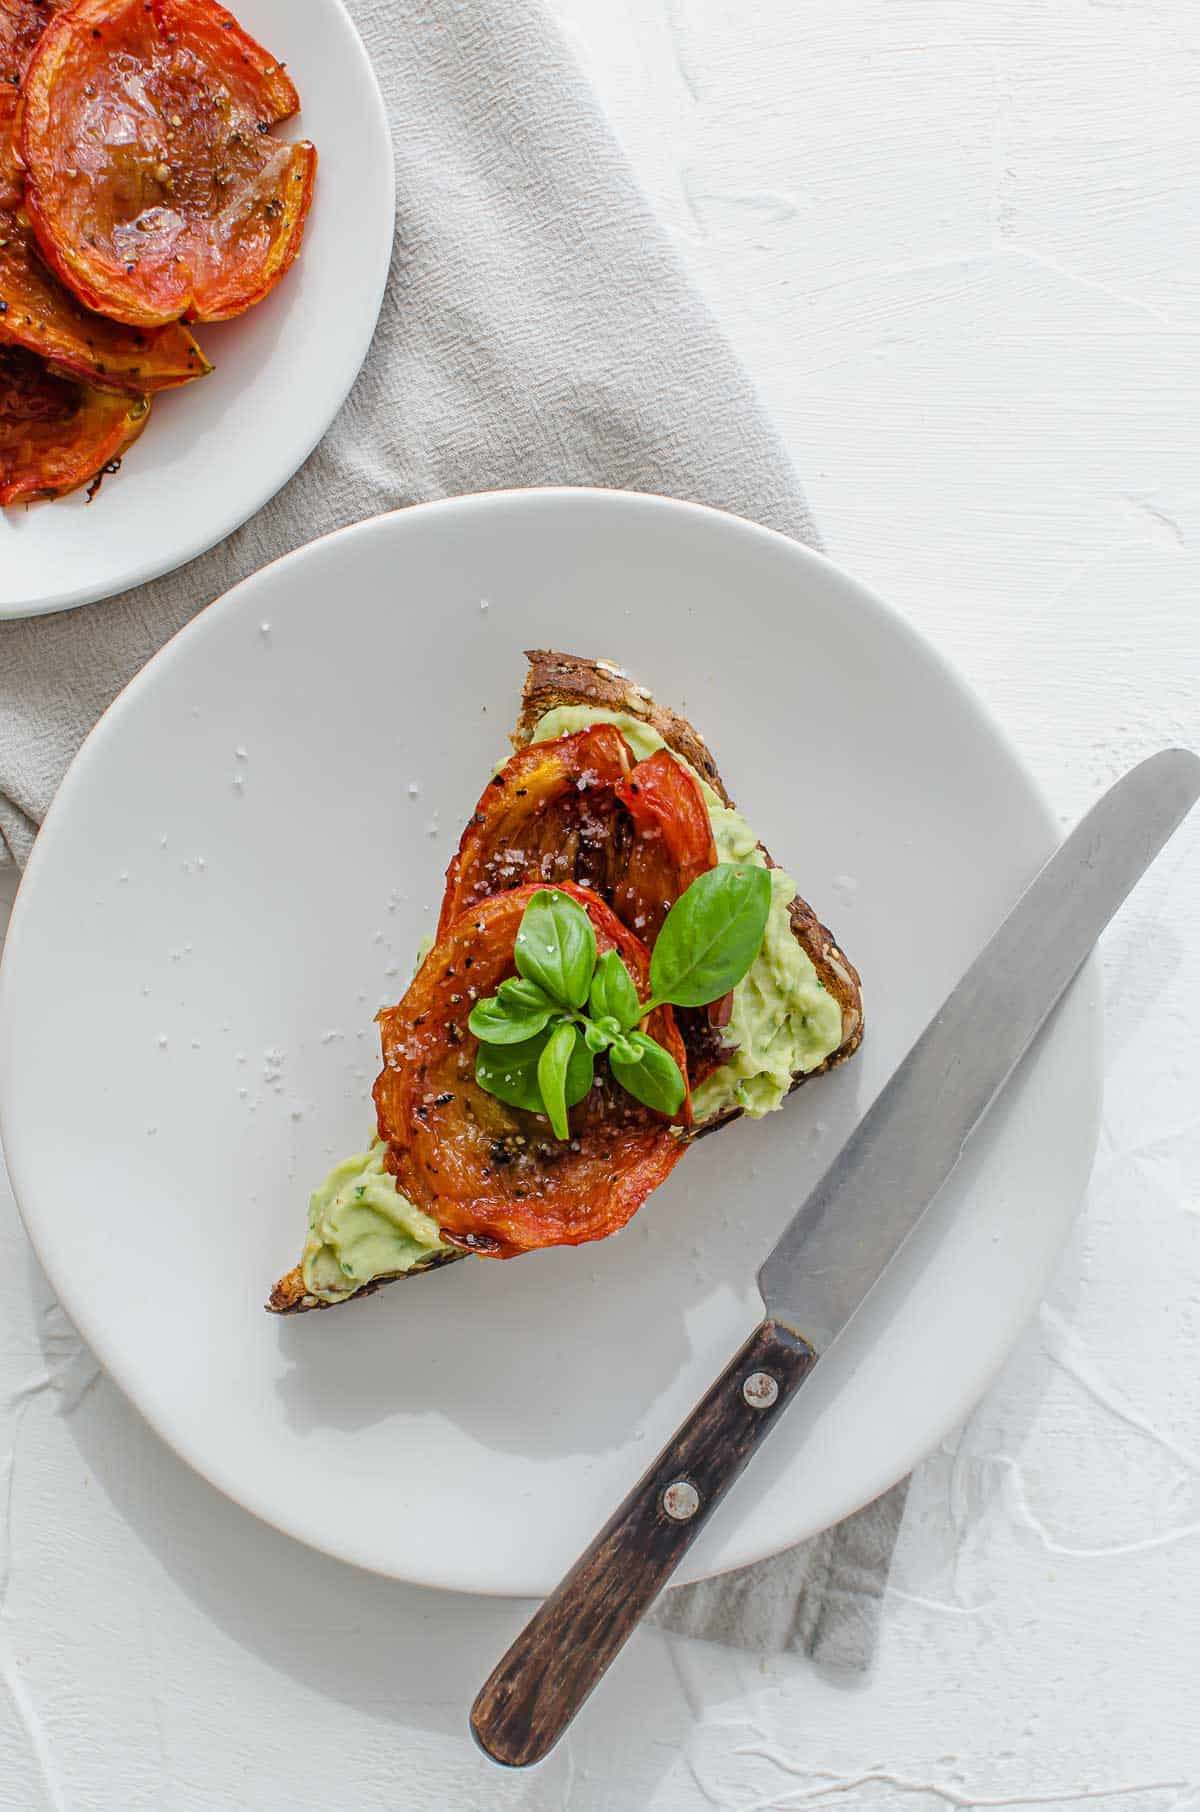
361	1227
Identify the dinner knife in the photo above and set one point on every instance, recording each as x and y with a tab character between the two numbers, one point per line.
833	1252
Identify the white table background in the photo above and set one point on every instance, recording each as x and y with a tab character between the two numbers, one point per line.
958	247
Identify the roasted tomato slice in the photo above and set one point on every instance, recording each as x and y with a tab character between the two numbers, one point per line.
550	814
578	809
673	845
154	184
21	25
495	1177
39	313
56	433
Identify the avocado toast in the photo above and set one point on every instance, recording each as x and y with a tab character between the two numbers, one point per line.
614	804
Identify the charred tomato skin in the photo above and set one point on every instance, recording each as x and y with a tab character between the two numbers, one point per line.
547	815
578	808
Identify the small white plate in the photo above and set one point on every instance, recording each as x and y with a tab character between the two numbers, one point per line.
217	449
236	874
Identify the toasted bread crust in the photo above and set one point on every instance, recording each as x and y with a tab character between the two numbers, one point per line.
565	679
289	1296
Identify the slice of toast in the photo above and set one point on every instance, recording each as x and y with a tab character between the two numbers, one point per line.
563	679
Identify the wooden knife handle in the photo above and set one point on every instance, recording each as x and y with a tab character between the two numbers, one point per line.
539	1685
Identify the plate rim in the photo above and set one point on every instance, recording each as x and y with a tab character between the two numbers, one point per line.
259	494
231	600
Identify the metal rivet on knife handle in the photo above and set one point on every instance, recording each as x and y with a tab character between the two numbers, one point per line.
681	1500
760	1390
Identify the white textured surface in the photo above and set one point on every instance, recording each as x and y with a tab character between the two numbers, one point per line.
957	246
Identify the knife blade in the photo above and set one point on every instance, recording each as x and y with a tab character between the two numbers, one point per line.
838	1244
834	1251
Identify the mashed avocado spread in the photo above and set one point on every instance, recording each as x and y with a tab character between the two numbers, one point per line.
359	1225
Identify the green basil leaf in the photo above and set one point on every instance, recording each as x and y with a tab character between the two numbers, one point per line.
556	947
510	1072
655	1078
495	1022
580	1072
612	994
711	935
523	996
552	1075
595	1037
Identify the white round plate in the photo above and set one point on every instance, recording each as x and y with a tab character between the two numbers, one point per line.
235	876
214	451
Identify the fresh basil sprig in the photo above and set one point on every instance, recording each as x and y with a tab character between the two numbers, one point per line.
538	1043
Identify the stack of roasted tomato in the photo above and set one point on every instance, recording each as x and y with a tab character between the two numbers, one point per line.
141	187
578	815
